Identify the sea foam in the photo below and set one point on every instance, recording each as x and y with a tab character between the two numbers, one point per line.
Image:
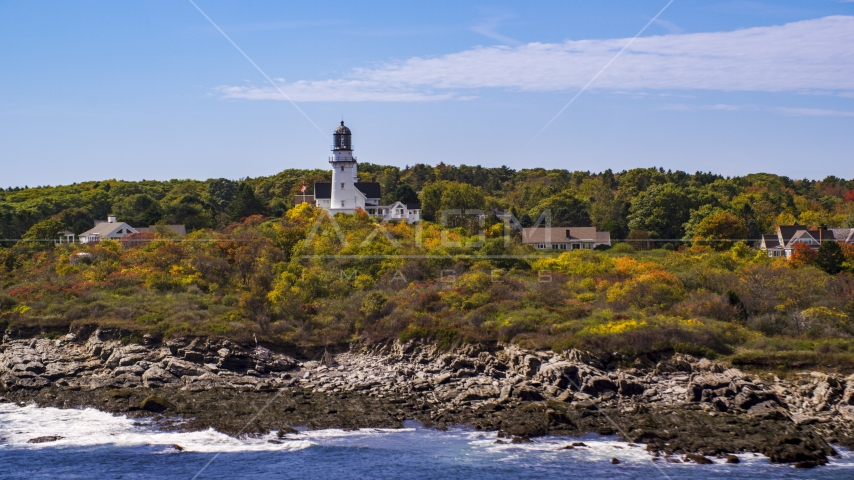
90	428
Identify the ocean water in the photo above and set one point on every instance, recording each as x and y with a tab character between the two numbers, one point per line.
103	446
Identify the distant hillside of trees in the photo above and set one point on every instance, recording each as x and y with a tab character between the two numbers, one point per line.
256	266
638	203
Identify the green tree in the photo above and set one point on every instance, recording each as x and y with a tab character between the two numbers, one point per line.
566	209
44	232
79	219
389	180
220	193
830	257
661	211
188	210
431	200
603	204
151	215
720	230
135	209
405	194
447	195
462	196
418	175
614	227
244	203
637	180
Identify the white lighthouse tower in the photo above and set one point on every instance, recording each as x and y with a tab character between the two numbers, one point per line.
344	194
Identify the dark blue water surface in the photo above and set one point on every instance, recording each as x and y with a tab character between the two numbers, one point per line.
98	445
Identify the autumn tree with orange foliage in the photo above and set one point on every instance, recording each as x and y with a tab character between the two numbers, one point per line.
802	255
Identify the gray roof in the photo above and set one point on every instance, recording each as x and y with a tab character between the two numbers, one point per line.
564	235
105	229
842	234
177	229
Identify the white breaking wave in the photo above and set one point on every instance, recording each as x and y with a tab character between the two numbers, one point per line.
89	428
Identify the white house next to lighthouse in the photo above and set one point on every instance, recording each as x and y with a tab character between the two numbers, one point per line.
346	193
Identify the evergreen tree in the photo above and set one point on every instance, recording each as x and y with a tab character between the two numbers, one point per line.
616	230
405	194
221	193
735	301
830	257
244	203
151	215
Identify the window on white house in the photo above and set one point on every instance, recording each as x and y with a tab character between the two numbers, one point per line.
342	203
342	168
342	185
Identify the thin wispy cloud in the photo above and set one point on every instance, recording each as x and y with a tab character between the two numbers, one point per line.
806	56
489	29
813	112
682	107
788	111
669	26
398	31
750	7
335	91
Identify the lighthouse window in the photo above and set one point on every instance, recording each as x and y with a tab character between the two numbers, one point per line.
342	168
342	185
342	203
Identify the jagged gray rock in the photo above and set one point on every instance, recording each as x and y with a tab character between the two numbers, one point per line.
156	377
474	376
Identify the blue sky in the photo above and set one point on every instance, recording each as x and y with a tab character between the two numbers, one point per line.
131	90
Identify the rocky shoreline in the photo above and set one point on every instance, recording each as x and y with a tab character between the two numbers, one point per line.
682	408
